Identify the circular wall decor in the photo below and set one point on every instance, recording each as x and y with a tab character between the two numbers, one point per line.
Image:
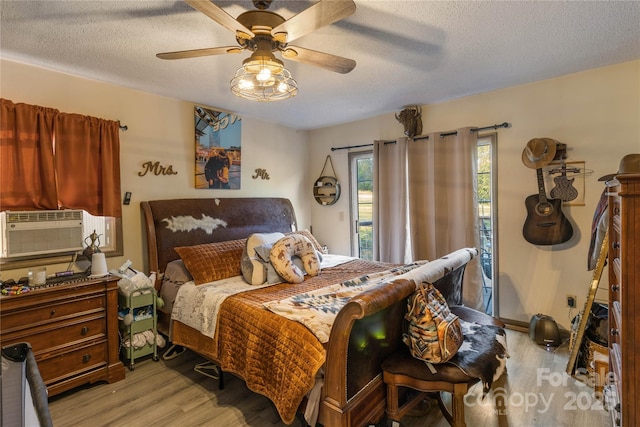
326	190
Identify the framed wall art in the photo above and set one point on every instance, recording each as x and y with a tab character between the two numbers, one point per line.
566	181
218	154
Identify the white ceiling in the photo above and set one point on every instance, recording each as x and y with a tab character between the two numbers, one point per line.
407	52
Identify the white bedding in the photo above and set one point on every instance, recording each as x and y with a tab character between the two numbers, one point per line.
197	306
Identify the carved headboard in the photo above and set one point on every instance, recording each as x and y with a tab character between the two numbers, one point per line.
186	222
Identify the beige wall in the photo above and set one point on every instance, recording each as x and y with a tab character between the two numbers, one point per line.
161	129
596	113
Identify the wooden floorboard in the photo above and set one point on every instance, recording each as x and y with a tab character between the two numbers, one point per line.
535	392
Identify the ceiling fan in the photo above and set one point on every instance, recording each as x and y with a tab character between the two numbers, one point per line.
264	32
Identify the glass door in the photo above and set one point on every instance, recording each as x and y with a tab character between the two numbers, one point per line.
361	181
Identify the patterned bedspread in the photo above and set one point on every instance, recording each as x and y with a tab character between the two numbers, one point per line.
276	357
318	309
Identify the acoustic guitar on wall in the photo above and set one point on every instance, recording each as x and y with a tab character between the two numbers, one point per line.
545	223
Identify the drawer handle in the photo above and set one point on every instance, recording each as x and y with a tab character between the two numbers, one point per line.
53	312
615	288
84	330
614	331
616	245
86	358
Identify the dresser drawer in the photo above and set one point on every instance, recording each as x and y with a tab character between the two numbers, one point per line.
74	362
50	337
72	328
41	314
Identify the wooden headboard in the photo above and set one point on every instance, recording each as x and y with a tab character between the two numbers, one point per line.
186	222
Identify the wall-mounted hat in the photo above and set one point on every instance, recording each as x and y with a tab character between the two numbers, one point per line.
628	164
539	152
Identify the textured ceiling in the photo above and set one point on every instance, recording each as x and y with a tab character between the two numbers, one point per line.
407	52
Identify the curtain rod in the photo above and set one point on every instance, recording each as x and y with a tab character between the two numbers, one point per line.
496	126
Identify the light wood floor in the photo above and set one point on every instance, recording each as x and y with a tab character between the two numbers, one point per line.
535	392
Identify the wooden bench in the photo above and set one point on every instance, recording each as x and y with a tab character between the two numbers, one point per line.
401	369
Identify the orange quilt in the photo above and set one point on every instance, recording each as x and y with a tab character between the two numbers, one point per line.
277	357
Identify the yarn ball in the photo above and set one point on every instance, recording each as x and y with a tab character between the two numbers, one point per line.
159	302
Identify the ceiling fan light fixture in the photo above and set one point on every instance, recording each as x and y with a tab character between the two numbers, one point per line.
263	77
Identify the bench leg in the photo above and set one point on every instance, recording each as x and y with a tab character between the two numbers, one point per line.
457	404
394	410
455	416
392	402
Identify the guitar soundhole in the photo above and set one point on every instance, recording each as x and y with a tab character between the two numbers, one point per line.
544	209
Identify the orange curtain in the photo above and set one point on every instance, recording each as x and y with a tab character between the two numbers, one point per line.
27	176
88	164
53	160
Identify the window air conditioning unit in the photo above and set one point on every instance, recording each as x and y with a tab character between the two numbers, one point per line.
26	233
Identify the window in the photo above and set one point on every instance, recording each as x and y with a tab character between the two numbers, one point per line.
105	227
486	216
361	177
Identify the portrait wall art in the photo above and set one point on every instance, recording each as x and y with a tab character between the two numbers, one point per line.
218	153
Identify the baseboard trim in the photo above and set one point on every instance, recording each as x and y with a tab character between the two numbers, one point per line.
520	326
516	325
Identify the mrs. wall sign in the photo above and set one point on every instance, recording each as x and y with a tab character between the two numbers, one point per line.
155	168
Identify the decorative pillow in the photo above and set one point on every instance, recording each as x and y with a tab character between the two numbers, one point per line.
253	270
283	251
176	272
306	233
212	261
263	252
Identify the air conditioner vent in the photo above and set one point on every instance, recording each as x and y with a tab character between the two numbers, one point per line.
28	233
39	216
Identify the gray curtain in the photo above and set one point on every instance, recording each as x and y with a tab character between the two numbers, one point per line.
391	241
425	202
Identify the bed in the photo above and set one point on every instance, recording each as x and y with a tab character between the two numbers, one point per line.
276	356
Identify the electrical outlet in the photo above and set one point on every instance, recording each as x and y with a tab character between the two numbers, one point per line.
571	301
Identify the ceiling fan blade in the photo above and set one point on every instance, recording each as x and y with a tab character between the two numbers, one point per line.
327	61
317	16
221	17
182	54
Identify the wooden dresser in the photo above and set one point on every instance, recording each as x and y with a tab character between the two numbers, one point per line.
624	299
72	329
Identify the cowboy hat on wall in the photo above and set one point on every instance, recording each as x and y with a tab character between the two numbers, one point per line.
628	164
539	152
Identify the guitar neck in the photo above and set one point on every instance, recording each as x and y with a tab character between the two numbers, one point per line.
542	194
